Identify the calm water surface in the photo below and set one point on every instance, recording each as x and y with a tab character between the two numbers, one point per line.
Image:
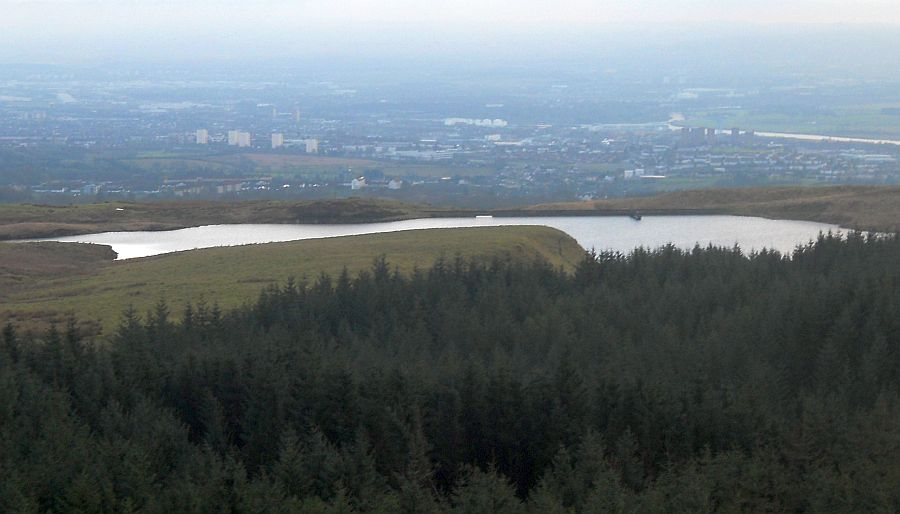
601	233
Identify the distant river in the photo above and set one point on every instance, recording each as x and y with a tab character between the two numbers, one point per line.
680	119
598	232
832	139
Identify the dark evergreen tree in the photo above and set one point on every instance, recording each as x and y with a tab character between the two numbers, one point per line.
664	380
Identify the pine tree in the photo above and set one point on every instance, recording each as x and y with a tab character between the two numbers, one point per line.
364	485
289	471
629	461
485	491
11	342
215	431
417	491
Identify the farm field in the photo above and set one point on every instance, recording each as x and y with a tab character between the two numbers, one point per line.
292	165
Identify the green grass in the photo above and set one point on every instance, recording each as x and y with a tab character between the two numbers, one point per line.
674	184
99	290
172	164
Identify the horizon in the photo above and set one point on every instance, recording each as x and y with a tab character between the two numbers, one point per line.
708	54
91	31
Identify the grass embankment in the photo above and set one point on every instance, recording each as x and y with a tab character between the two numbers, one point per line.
25	221
44	282
855	207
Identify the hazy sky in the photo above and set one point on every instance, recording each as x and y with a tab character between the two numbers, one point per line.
47	27
81	15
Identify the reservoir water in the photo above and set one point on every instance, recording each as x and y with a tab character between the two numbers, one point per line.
621	234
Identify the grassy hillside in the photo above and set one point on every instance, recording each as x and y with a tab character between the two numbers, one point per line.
23	265
21	221
857	207
98	289
862	207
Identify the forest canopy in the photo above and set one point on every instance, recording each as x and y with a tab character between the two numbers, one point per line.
661	381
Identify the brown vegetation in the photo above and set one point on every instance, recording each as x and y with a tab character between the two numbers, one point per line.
36	221
854	207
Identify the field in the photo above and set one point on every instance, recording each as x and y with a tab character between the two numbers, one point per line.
854	207
44	282
288	165
284	161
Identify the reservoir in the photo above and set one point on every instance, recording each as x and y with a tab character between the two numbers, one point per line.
616	233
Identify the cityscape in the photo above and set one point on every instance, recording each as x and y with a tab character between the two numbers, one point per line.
79	139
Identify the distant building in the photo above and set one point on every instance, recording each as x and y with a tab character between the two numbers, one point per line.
296	115
711	136
395	184
498	123
277	140
202	137
312	145
696	136
633	174
358	183
239	138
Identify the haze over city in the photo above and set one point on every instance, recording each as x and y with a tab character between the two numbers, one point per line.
89	30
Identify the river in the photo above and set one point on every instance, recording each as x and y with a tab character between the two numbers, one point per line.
679	119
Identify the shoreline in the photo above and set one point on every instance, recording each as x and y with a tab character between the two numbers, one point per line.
62	232
864	208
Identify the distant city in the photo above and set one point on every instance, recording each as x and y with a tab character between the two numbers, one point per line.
72	139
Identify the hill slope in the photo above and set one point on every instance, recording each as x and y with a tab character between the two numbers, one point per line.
99	289
856	207
25	221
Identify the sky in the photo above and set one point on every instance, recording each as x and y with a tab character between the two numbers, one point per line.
34	29
89	15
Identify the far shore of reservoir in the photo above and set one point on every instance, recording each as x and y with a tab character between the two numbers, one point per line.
865	208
